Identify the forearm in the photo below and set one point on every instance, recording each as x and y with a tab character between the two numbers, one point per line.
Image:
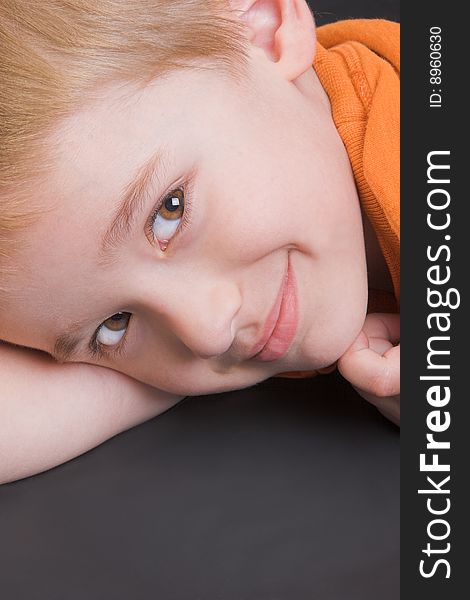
51	413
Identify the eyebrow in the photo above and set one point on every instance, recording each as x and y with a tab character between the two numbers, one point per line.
67	343
130	205
133	200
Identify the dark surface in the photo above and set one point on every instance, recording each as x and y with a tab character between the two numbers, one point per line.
286	491
327	11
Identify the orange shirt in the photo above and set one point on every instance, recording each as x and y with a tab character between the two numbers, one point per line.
358	64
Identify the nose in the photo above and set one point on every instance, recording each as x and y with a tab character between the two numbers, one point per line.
202	317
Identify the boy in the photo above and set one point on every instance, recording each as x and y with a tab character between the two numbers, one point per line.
188	219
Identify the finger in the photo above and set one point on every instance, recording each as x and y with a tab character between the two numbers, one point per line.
376	374
379	345
383	325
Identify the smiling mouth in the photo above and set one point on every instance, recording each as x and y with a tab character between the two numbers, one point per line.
281	324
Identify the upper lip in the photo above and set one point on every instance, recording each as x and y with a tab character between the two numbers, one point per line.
272	318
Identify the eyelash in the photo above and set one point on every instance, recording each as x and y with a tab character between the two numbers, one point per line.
186	188
98	351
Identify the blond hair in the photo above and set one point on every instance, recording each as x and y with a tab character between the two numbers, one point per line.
54	53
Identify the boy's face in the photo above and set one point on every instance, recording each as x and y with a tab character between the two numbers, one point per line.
262	235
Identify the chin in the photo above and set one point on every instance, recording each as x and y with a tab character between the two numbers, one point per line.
320	351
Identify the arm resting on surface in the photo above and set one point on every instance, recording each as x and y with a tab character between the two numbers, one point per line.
51	412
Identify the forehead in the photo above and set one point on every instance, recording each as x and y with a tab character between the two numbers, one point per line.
105	135
112	134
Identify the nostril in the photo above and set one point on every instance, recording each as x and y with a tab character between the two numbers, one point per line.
204	319
206	339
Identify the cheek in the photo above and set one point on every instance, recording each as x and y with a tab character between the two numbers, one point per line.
333	319
254	216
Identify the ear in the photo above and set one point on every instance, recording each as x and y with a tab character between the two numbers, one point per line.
284	29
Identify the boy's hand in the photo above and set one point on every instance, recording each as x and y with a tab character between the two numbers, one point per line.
372	363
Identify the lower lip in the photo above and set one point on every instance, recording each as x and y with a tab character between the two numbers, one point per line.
283	333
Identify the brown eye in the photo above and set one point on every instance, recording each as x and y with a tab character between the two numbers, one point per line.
117	322
168	218
173	206
113	329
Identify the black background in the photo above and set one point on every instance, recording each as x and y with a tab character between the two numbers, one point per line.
424	130
326	11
